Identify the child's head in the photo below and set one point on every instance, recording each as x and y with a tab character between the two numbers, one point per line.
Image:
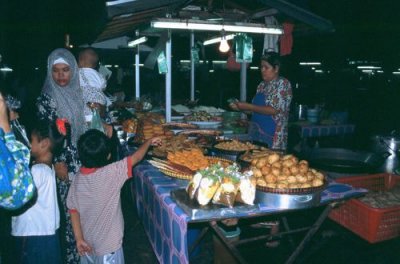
94	149
46	138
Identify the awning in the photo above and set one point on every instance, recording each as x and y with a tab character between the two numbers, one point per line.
126	17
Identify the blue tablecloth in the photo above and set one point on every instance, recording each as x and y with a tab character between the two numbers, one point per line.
310	130
166	224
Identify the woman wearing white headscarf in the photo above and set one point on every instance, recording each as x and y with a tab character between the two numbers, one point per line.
62	98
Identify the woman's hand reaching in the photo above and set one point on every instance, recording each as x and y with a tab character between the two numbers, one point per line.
234	106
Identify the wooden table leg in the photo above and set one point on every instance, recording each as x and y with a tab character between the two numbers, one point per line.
314	228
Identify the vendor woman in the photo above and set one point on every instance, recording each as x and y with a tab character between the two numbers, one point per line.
270	105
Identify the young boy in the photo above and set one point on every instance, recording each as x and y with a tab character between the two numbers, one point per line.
94	198
35	230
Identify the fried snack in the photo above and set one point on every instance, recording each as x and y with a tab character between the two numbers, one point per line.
129	125
285	171
235	145
193	159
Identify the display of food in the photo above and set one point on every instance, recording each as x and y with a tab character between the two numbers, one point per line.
178	125
203	132
285	172
254	154
201	116
193	159
130	125
382	199
235	145
174	144
181	109
151	125
222	186
208	109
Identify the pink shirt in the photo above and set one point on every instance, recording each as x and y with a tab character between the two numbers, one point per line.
95	194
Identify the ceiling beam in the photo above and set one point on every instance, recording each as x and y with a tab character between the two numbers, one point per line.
141	5
300	14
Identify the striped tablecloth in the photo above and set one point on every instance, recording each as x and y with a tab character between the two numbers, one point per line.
166	224
309	130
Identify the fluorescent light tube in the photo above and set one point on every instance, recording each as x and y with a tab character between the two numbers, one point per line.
118	2
191	24
6	69
369	67
136	42
310	63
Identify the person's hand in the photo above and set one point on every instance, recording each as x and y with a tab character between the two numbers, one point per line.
234	106
83	247
108	129
13	115
4	124
156	141
61	170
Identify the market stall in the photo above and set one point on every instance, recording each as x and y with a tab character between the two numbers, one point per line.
168	225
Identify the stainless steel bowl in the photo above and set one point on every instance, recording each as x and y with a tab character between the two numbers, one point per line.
288	201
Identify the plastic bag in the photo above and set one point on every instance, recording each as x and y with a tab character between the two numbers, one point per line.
226	192
244	48
247	189
162	63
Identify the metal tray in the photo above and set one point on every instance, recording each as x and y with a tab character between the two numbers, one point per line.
211	211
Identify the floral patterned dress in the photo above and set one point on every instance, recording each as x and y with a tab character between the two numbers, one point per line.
47	111
273	128
16	182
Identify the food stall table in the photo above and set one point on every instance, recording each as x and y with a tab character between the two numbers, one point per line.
166	223
306	130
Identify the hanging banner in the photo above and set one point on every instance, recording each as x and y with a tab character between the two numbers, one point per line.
244	48
162	63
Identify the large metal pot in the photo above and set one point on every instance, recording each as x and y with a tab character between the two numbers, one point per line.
288	201
389	145
337	162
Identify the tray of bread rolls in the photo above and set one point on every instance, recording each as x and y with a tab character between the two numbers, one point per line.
286	174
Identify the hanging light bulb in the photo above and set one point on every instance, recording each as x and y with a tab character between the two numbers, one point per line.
223	46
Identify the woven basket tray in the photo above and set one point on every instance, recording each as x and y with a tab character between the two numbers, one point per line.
187	176
294	190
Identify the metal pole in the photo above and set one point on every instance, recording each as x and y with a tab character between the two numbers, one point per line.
168	80
191	67
137	75
243	81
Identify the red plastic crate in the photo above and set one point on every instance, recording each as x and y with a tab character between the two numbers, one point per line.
372	224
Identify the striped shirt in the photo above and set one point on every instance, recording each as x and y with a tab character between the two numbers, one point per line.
95	194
